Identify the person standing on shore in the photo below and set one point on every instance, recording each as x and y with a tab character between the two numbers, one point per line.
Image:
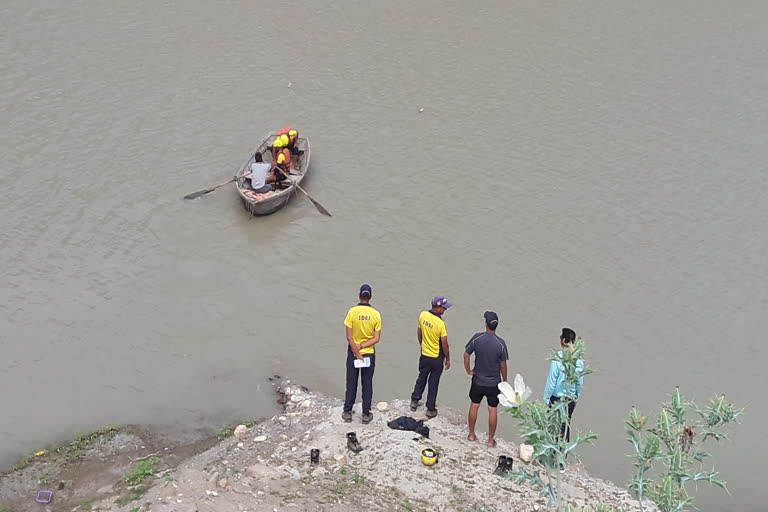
435	355
363	331
554	391
491	358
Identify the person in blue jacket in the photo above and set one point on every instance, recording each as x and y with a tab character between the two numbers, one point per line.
554	391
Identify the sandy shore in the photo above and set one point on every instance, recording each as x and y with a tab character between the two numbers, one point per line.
268	468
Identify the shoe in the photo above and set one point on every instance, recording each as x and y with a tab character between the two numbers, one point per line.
431	413
508	466
346	416
314	456
367	418
503	466
500	465
414	405
352	443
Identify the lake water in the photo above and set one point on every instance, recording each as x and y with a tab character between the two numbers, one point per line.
599	165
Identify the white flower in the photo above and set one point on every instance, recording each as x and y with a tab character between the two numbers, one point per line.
513	396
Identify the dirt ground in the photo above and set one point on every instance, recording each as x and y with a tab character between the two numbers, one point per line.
268	469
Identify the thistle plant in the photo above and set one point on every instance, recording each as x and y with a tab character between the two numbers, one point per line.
669	450
541	427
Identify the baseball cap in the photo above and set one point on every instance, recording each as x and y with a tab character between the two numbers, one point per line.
365	290
441	301
491	319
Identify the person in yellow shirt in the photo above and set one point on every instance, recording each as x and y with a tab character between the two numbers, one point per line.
433	340
363	325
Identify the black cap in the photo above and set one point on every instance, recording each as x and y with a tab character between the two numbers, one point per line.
365	290
491	320
568	335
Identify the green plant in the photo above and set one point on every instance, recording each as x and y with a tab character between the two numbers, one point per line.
541	426
143	470
225	433
5	508
74	451
671	443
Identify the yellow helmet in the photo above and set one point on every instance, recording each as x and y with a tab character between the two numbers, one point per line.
293	134
285	139
428	456
278	142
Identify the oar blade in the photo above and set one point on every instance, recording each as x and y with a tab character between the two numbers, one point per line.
199	193
320	208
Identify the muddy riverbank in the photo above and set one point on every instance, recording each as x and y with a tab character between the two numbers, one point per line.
266	466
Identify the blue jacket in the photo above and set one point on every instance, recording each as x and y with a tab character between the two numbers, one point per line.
556	381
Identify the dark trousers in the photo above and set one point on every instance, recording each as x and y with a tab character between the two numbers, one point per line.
430	370
366	376
565	428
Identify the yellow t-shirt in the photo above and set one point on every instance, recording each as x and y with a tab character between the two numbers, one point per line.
364	321
432	328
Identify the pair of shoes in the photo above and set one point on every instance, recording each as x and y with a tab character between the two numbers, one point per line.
431	413
367	418
352	442
414	405
503	466
346	416
314	456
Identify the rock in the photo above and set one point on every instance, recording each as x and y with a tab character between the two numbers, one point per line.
340	458
525	451
382	406
319	472
222	483
211	493
259	439
240	445
242	432
282	420
306	404
214	478
296	398
259	471
106	489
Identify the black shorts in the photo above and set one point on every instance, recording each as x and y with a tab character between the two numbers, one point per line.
491	394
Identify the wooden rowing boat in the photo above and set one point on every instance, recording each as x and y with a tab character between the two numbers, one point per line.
264	204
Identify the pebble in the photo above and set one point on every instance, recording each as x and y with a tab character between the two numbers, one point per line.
382	406
293	449
211	493
240	445
421	109
306	404
105	490
223	483
241	432
340	458
260	439
296	398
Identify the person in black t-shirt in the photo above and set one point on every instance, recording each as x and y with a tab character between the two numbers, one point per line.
490	368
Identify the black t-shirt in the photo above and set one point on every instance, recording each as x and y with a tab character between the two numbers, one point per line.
490	351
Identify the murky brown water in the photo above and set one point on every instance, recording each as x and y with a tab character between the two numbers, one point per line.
600	165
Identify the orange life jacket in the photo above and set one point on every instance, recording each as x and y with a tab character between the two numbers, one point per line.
284	131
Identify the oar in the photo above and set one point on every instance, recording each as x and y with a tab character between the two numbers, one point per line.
199	193
317	205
